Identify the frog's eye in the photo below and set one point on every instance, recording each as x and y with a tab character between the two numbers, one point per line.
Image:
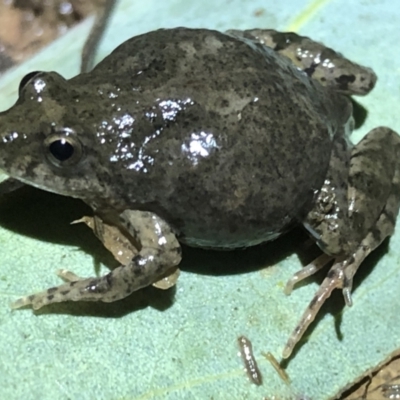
63	149
26	79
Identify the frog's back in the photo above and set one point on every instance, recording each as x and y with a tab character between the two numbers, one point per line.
229	142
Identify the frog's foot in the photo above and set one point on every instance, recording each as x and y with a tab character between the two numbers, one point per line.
350	234
340	276
36	300
160	251
74	290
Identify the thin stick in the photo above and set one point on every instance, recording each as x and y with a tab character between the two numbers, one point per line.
96	33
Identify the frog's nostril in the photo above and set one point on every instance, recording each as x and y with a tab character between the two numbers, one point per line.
9	137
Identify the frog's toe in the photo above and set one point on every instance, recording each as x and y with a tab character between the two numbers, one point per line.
76	290
22	302
340	276
333	280
36	301
307	271
68	276
52	295
169	280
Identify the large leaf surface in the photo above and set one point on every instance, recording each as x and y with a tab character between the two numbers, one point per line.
183	344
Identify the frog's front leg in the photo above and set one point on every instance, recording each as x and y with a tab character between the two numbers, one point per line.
319	62
373	200
121	247
159	251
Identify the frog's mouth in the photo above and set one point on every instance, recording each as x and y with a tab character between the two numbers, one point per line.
3	177
19	170
8	184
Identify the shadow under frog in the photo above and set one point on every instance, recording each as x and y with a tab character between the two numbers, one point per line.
19	211
214	140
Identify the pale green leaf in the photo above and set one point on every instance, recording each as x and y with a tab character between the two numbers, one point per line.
183	344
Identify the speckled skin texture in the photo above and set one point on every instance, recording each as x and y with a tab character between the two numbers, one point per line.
221	138
217	140
120	244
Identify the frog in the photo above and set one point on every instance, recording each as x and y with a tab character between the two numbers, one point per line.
218	140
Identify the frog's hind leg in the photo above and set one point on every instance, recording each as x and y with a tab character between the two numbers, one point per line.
373	202
319	62
159	251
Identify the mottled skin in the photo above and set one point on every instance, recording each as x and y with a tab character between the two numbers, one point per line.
120	245
216	140
180	133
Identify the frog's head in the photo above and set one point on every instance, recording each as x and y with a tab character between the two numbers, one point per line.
43	142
